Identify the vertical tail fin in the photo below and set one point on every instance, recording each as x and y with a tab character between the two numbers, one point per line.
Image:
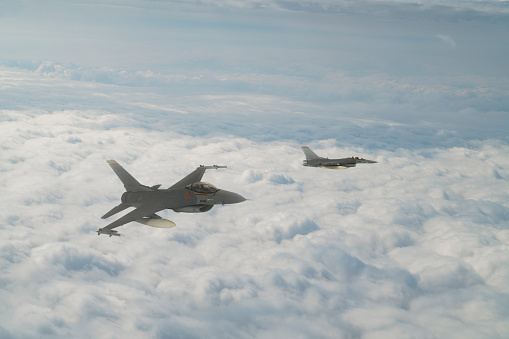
309	153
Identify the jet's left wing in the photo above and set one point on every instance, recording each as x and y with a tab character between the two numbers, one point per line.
140	212
127	179
194	176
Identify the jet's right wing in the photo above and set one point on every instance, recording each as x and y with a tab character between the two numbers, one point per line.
194	176
115	210
140	212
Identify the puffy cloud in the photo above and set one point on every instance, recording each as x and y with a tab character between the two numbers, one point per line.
412	245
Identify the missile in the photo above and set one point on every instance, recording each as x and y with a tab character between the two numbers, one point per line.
109	232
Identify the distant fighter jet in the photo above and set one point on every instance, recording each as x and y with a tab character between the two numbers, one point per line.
314	160
189	195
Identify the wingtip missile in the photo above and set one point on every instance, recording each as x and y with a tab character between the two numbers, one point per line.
213	166
109	232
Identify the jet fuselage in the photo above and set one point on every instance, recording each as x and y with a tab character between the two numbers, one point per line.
180	198
342	163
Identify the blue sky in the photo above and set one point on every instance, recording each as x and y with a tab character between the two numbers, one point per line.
414	245
409	63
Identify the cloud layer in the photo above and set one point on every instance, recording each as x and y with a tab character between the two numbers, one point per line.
413	245
373	111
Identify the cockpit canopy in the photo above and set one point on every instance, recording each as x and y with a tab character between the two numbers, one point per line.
202	187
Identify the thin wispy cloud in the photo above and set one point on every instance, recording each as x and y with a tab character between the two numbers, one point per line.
447	40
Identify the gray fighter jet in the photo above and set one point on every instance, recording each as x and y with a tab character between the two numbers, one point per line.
314	160
189	195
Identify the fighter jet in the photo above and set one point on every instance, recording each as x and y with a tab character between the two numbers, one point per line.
314	160
189	195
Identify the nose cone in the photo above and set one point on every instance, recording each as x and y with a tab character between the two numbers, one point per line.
366	161
227	197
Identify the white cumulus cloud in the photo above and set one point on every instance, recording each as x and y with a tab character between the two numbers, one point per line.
415	243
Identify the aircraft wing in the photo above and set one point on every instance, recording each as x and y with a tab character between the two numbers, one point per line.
130	183
140	212
194	176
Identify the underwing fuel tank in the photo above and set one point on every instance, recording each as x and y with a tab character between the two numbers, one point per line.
159	223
